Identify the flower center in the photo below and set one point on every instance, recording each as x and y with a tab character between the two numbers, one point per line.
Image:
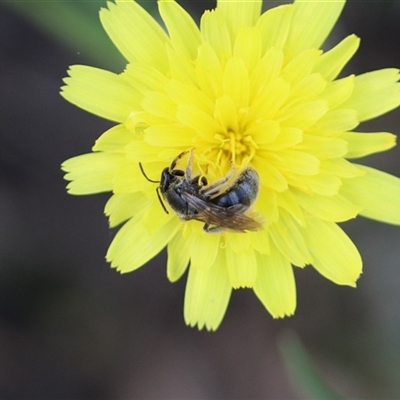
235	147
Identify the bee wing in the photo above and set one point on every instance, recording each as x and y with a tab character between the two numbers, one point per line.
224	217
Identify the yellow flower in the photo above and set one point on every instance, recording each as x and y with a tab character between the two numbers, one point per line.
244	89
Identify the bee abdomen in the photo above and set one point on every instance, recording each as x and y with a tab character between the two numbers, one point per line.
244	191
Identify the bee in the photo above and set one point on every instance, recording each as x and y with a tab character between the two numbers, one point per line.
219	205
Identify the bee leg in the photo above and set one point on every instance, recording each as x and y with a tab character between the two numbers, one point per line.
214	188
212	229
203	181
188	171
199	181
176	159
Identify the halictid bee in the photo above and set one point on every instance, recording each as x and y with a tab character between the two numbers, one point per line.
217	205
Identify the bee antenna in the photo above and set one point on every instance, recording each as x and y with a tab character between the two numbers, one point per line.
157	190
144	174
161	202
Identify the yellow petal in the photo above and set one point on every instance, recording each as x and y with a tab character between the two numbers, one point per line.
181	68
312	22
135	33
308	88
335	256
377	192
288	137
204	124
248	47
170	135
303	115
260	241
375	93
178	257
209	71
288	201
139	119
207	295
238	242
288	238
275	285
236	82
341	168
114	140
300	66
329	208
242	267
264	132
204	248
140	151
144	77
121	207
338	91
266	71
267	203
113	99
93	172
225	113
323	147
185	94
271	176
331	63
159	104
336	121
215	32
133	246
297	162
130	179
153	214
326	184
183	31
265	106
239	13
274	26
363	144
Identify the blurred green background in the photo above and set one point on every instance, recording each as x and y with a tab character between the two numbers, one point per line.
73	328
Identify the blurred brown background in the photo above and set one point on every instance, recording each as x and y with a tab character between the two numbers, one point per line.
73	328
